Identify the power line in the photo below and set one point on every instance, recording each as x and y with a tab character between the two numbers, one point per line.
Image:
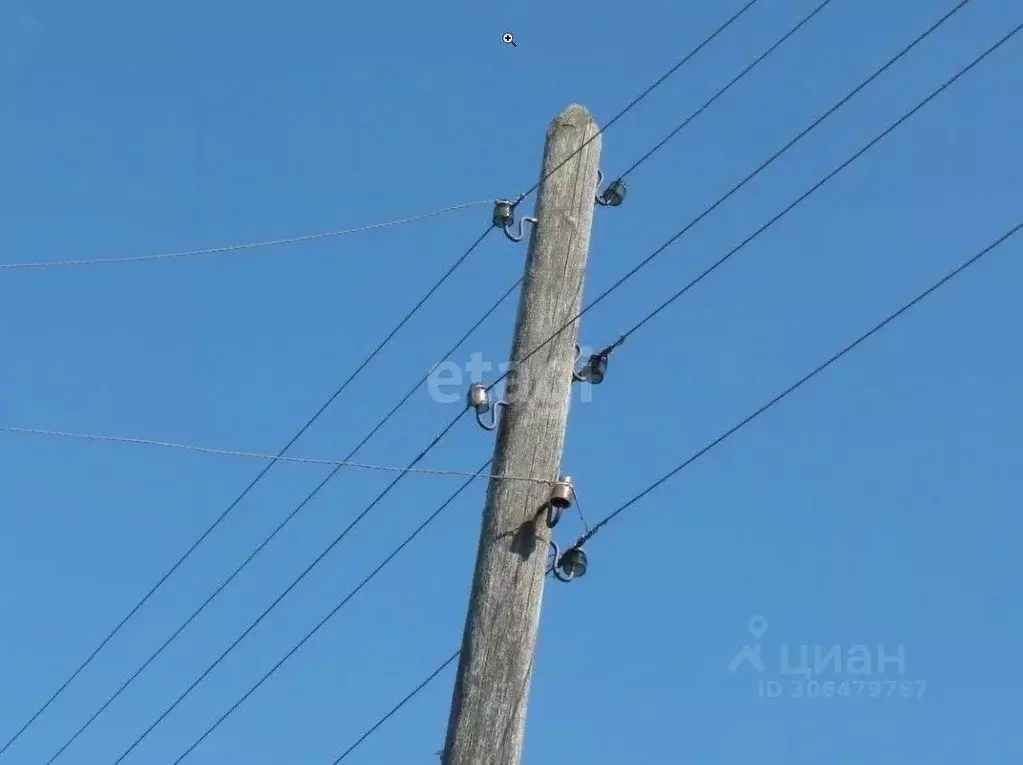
885	322
280	527
590	532
334	543
813	125
246	246
259	456
422	526
745	421
397	707
223	515
210	530
678	65
735	80
521	197
802	197
804	379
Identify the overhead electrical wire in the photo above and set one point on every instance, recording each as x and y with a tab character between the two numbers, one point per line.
217	522
724	89
590	531
961	4
717	441
319	625
305	572
628	107
817	122
223	515
397	707
374	226
234	453
802	381
212	666
246	246
273	534
264	457
720	200
266	611
813	189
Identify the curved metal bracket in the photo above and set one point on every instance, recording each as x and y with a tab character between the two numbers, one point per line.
517	237
559	574
597	199
493	415
553	514
613	195
577	376
555	557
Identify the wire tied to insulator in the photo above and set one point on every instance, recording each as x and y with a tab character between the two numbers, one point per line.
504	218
613	195
595	368
570	564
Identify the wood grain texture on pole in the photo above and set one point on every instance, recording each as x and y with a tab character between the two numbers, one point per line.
488	710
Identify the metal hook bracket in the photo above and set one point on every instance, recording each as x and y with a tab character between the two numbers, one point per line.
551	514
555	555
492	425
518	237
559	572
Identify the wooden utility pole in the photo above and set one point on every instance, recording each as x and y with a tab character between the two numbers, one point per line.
488	710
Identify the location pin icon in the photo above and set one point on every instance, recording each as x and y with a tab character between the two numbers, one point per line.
757	626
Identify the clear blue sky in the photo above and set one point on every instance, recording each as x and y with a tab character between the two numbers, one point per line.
879	505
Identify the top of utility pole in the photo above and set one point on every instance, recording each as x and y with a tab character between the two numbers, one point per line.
488	711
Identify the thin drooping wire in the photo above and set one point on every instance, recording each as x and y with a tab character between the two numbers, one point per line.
678	65
223	515
259	456
246	246
346	462
791	389
812	126
397	707
391	556
731	83
269	538
813	189
803	380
